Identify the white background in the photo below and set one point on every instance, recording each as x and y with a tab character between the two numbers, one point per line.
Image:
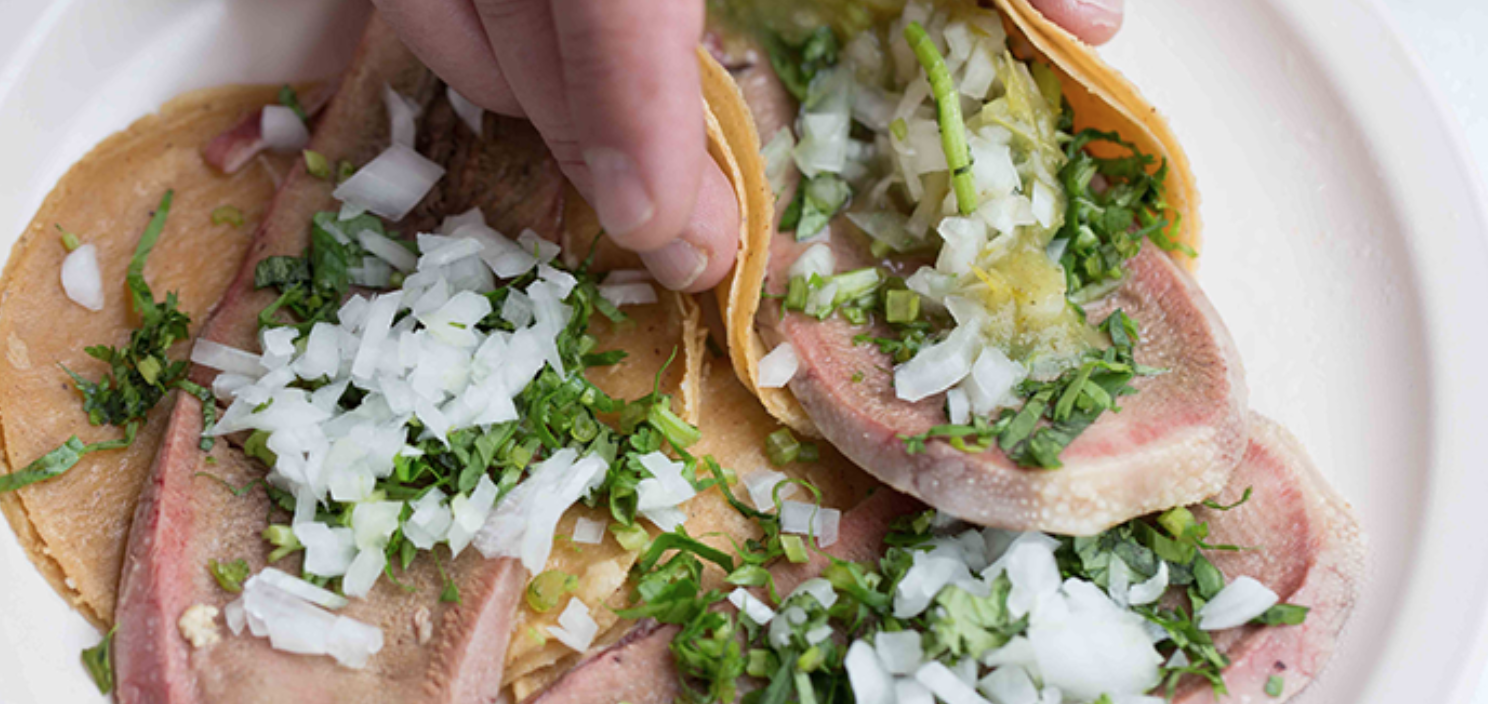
1450	37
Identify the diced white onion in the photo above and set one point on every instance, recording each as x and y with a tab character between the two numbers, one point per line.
1152	589
958	408
588	531
758	611
636	294
468	112
939	366
777	368
302	589
901	651
802	518
778	163
387	250
363	572
282	130
1236	604
1009	685
273	606
328	551
401	116
818	259
80	278
910	691
391	184
761	487
576	628
820	589
226	359
871	682
946	685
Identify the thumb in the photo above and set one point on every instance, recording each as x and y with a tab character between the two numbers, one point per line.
1092	21
631	77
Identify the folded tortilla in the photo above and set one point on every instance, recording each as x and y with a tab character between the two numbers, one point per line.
1100	96
74	527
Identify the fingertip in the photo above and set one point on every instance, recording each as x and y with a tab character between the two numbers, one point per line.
1094	22
709	242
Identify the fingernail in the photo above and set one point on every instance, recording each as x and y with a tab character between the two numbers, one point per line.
620	197
676	265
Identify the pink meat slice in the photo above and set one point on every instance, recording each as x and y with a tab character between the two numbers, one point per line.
1312	553
433	652
235	147
638	668
1173	443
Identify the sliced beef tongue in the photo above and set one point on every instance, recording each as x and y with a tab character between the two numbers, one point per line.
1173	443
638	668
433	651
1311	552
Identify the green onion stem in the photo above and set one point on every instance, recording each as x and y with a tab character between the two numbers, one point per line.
948	109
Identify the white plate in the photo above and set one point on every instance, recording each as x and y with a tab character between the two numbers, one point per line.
1344	238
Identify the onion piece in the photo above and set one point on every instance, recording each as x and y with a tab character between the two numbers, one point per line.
226	359
628	294
871	682
392	184
777	368
1152	589
802	518
938	367
468	112
80	278
1236	604
319	596
901	651
576	628
946	685
387	250
1009	685
820	589
757	611
401	116
761	487
282	129
588	531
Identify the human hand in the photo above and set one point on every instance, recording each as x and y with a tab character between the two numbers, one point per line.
612	86
1093	21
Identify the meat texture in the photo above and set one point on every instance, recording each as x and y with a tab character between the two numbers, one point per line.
1312	553
187	516
1173	443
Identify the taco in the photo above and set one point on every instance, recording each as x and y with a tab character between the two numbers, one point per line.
74	528
972	280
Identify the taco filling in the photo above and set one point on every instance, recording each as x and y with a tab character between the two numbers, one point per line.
962	264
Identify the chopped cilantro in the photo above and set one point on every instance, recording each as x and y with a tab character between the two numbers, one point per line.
1275	685
317	165
1106	221
290	99
797	63
100	662
1055	412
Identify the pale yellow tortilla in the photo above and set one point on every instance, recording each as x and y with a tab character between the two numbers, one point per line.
74	527
1104	99
739	294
